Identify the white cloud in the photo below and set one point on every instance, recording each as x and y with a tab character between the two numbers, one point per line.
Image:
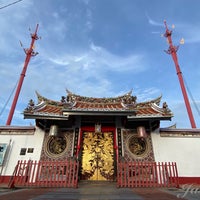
89	70
76	50
191	33
10	20
147	94
98	59
153	22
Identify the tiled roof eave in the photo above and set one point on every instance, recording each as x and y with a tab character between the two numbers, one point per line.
177	130
159	117
45	116
99	112
180	133
17	128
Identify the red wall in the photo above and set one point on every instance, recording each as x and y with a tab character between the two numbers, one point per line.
189	180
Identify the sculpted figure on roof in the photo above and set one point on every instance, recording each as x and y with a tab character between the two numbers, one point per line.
125	104
165	107
129	99
125	99
30	106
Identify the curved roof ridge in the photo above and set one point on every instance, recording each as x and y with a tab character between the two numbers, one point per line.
120	96
156	101
46	100
78	98
40	106
39	97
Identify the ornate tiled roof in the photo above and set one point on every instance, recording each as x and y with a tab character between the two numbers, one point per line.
73	104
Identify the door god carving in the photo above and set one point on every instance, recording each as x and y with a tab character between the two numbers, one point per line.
97	156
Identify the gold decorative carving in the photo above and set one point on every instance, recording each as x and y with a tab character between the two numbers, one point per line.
97	156
56	146
138	147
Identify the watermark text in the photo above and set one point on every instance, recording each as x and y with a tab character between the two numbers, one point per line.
189	189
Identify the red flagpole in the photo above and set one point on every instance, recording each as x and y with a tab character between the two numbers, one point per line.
172	50
29	53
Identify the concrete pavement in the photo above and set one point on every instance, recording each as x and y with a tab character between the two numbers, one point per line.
97	191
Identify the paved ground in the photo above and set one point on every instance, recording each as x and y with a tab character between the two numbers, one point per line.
97	191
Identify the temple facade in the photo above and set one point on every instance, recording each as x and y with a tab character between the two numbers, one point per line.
99	133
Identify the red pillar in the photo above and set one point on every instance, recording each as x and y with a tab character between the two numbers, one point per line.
29	53
172	50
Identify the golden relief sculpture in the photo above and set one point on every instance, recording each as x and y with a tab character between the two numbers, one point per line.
97	156
56	146
137	146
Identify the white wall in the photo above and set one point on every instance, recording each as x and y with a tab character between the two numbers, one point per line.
17	142
185	151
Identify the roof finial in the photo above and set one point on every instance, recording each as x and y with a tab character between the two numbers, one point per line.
172	50
29	53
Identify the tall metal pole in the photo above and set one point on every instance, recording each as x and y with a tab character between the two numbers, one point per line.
29	53
172	50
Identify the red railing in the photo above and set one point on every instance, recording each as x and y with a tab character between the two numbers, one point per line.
45	174
147	174
65	174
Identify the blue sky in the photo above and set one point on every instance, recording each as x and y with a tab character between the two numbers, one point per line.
100	48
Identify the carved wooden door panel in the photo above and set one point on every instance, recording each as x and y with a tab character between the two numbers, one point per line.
97	156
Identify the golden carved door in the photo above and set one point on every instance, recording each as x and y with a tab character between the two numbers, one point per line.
97	156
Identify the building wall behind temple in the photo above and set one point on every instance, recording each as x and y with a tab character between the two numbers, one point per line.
22	145
136	149
185	151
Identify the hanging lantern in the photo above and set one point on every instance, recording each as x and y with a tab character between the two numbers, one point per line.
141	131
53	130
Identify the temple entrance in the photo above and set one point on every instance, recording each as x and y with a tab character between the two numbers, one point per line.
97	162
